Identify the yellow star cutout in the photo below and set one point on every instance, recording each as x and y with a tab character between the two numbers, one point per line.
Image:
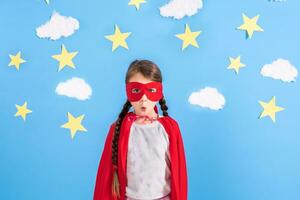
22	111
270	109
136	3
118	38
74	124
16	60
250	25
188	37
235	63
65	58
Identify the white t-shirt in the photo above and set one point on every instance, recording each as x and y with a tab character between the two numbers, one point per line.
148	162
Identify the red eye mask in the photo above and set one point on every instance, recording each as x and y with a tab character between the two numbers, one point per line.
136	90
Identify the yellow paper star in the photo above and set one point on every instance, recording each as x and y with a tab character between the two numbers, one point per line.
188	37
235	63
270	109
118	38
22	111
16	60
65	58
74	124
250	25
136	3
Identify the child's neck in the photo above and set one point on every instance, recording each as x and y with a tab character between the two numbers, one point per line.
152	115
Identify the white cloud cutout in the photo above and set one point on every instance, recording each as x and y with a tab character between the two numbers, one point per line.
208	97
180	8
58	26
280	69
74	88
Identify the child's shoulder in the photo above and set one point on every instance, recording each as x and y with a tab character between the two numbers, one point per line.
113	125
171	120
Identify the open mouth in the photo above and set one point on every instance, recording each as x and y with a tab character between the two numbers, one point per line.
143	108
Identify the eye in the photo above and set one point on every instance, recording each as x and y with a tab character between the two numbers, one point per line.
152	90
135	90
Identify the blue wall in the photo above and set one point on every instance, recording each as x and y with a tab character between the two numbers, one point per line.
231	154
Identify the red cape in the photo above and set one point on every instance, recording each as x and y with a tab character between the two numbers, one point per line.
179	179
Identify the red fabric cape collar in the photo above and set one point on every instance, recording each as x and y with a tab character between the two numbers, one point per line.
179	179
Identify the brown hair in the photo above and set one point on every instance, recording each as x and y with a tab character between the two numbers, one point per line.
151	71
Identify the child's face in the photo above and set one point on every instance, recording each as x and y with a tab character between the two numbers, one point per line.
144	106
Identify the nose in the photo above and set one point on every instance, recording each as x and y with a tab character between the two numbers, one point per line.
144	98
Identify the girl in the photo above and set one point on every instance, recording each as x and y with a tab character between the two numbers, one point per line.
143	156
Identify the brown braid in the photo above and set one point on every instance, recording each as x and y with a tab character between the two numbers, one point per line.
115	184
163	106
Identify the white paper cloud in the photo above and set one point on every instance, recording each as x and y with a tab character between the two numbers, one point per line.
280	69
74	88
208	98
58	26
180	8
